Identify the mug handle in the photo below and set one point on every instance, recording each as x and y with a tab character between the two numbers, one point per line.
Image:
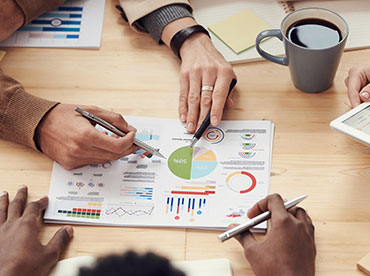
270	33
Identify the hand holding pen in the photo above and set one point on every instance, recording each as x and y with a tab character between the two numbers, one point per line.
289	246
72	141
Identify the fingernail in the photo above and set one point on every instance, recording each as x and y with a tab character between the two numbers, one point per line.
69	230
3	193
182	118
190	127
366	95
21	187
214	120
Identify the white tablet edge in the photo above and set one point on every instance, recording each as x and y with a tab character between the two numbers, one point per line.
339	125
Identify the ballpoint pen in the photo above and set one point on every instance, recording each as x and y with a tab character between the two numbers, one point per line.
256	220
207	121
118	132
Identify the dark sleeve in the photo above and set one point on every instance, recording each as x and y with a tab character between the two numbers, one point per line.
155	22
20	112
34	8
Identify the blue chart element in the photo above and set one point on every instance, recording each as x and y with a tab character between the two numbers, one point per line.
146	137
202	168
138	192
60	15
65	22
62	23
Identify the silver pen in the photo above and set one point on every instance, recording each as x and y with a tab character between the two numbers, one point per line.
118	132
256	220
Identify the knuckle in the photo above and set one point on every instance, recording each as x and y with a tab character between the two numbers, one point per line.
355	70
197	69
275	197
29	220
117	117
226	70
193	98
183	97
206	100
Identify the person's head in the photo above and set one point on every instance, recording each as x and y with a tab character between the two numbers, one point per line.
132	264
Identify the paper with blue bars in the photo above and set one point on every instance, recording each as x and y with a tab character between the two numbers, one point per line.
75	24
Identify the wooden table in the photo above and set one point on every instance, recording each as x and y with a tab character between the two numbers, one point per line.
308	157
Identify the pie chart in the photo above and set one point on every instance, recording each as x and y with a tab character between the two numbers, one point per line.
188	163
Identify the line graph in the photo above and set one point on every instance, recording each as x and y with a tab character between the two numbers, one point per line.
129	210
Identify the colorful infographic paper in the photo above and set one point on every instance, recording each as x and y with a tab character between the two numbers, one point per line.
75	24
209	186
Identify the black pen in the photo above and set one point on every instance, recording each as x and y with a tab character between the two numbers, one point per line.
207	121
150	150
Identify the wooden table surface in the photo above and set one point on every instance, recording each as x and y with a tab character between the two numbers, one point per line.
132	75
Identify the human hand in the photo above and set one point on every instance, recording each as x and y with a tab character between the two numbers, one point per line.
71	140
358	84
289	248
203	65
21	252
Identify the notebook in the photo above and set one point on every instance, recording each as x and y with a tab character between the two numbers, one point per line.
208	12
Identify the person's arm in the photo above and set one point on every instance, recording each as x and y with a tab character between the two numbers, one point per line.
201	64
15	13
21	252
358	84
58	130
289	247
11	18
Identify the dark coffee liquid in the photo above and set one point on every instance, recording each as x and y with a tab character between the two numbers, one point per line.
314	33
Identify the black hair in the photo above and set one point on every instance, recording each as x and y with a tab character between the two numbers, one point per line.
132	264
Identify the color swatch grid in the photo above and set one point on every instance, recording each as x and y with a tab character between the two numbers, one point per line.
81	213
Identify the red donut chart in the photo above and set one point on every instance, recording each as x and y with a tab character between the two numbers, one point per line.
237	188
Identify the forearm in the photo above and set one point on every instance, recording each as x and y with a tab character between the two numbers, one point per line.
20	112
15	13
11	18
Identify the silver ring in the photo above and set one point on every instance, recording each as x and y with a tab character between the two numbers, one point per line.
207	88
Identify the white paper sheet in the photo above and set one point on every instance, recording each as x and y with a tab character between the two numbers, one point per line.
228	172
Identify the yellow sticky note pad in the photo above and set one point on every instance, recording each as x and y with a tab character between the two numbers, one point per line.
239	31
2	54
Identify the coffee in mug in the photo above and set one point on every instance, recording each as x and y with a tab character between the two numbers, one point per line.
314	33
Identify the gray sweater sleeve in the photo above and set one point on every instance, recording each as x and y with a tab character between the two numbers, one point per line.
155	22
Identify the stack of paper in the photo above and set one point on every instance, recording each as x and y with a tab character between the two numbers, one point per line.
209	187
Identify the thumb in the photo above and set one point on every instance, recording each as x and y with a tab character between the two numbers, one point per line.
60	241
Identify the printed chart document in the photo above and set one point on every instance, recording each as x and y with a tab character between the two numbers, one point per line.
209	186
75	24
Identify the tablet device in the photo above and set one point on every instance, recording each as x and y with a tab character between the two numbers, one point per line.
355	123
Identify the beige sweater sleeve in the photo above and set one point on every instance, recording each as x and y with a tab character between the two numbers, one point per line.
33	8
136	9
20	112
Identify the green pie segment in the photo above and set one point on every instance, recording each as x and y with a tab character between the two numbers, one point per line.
187	163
